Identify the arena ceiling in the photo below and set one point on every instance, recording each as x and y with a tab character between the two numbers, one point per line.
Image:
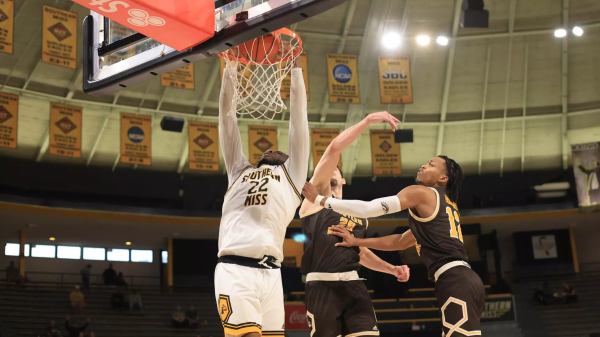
505	98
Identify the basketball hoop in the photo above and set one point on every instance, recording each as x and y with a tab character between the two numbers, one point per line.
261	65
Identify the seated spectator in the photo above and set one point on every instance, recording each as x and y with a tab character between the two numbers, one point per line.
192	317
121	281
109	276
567	294
86	273
118	300
12	274
52	330
178	318
77	300
135	301
73	327
540	296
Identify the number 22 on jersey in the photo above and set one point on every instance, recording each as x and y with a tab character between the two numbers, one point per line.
454	220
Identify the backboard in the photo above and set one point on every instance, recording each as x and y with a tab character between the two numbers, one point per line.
117	57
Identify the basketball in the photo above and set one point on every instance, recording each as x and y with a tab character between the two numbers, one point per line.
264	48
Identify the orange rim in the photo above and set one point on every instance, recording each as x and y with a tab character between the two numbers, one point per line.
284	31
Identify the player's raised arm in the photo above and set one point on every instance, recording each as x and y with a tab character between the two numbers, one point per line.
386	243
299	138
229	132
331	157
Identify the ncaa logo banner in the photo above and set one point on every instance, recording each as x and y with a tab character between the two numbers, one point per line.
394	80
65	130
343	78
59	37
9	120
385	153
136	139
203	146
261	139
7	10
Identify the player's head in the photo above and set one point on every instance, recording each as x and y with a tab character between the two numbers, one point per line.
337	178
442	171
273	158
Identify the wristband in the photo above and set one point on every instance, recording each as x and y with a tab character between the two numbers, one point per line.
318	200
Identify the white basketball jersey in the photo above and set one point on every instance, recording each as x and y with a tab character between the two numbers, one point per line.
257	209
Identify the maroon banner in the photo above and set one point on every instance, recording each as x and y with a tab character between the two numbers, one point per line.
295	316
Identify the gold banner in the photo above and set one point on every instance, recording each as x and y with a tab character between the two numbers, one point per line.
182	78
65	130
385	154
9	120
394	80
261	139
7	15
321	138
286	84
343	78
59	37
136	139
204	146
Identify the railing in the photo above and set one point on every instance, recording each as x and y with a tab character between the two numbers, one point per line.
75	278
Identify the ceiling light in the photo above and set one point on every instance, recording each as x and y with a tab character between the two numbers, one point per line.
442	40
577	31
560	33
128	243
423	40
52	238
391	40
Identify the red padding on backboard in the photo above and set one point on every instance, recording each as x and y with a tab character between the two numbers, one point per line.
180	24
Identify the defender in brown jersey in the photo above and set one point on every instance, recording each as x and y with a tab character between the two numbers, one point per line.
434	223
337	300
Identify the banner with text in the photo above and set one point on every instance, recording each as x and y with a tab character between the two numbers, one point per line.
385	154
261	139
321	138
65	130
136	139
286	84
7	14
59	37
394	80
343	78
9	120
499	308
586	166
182	78
204	146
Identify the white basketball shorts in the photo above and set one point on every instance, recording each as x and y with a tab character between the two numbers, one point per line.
250	300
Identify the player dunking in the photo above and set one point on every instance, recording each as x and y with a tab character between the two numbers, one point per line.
435	230
258	206
337	301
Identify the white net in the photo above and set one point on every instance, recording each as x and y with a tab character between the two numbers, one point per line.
262	64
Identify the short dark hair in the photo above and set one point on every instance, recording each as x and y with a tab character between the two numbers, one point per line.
455	178
340	169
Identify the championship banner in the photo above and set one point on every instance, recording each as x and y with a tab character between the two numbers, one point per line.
9	120
586	166
295	316
394	80
182	78
321	138
7	15
499	308
65	130
59	37
261	139
343	78
136	139
204	146
286	84
385	153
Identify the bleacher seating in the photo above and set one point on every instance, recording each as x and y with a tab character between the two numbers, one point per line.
28	311
572	320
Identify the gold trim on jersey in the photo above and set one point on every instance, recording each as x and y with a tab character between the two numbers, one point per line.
311	213
291	183
238	177
241	329
437	209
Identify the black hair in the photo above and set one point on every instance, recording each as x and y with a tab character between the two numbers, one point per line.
455	178
340	169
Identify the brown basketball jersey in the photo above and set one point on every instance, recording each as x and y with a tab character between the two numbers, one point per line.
439	237
320	253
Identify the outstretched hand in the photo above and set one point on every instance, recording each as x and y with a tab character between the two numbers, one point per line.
384	116
402	273
341	231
